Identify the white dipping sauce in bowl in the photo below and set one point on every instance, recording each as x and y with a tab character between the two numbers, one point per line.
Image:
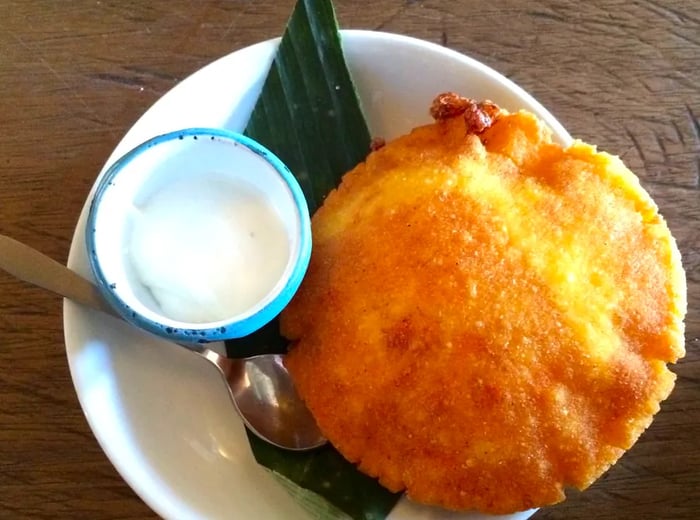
199	235
246	254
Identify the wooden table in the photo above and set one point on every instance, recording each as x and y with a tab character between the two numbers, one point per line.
76	75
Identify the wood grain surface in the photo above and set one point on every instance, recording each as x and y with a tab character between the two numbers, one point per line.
76	75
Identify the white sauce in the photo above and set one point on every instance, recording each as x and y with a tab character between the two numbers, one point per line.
208	248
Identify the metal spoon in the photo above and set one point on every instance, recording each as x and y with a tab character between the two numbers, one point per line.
260	386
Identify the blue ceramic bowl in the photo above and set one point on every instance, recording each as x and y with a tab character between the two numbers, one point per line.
186	158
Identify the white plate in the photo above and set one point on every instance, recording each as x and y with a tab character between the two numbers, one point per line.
161	414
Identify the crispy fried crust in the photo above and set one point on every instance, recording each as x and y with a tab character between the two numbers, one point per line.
487	319
478	115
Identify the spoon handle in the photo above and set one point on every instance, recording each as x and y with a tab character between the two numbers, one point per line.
29	265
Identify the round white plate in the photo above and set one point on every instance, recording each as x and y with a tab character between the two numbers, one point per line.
161	414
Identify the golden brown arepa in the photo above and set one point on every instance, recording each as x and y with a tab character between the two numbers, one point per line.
488	317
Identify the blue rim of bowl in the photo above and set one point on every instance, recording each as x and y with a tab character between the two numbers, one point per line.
224	329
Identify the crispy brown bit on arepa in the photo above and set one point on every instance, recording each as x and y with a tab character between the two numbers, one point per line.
487	316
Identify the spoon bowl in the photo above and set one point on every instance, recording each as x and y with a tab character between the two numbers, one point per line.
260	387
265	397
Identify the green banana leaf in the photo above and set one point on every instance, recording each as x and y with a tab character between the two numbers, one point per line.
309	115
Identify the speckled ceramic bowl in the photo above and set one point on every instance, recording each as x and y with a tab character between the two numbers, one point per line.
147	169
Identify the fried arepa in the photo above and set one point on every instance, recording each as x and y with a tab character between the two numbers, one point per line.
487	317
